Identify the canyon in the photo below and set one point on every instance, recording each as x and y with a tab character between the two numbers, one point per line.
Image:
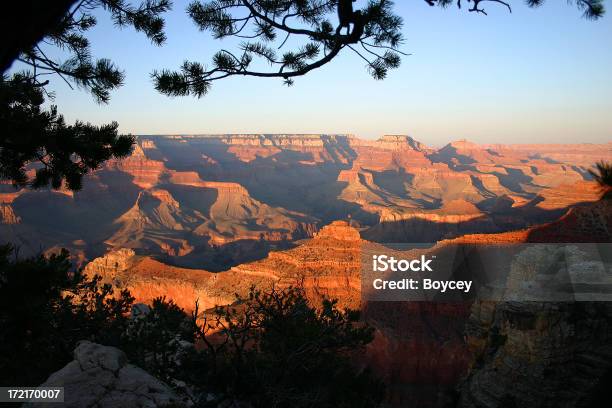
207	217
424	350
217	201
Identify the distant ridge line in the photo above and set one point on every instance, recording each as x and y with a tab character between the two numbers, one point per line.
352	137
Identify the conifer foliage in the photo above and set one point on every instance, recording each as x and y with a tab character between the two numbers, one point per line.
592	9
273	348
79	68
37	147
289	38
46	307
62	153
602	174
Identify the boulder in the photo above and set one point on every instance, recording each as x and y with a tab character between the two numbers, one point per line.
139	311
100	376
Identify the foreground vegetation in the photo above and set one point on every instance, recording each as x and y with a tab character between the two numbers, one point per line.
602	175
267	349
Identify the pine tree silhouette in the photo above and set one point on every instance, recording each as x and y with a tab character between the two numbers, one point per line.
603	176
39	139
373	33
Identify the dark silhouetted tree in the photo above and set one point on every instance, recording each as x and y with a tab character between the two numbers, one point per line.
62	152
602	174
274	349
45	309
592	9
270	348
316	30
153	340
98	76
38	139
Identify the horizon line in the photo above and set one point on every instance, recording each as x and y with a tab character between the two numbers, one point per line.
349	136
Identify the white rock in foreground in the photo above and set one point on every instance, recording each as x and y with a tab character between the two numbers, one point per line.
100	377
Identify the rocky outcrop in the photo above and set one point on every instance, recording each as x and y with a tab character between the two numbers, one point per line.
176	221
145	171
536	353
418	350
429	227
579	154
7	215
101	377
147	279
111	264
400	142
326	266
585	223
340	230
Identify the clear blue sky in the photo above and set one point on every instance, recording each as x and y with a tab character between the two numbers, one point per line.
536	75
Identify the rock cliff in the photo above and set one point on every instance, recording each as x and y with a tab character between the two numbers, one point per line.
535	354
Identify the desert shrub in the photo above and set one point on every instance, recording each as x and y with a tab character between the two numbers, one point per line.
273	349
45	309
156	341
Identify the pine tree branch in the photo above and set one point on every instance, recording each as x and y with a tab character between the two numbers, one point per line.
331	25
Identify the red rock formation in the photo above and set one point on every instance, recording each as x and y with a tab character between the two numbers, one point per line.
148	279
584	223
7	215
145	172
339	230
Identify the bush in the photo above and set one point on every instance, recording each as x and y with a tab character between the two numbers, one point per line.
272	349
155	340
45	309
